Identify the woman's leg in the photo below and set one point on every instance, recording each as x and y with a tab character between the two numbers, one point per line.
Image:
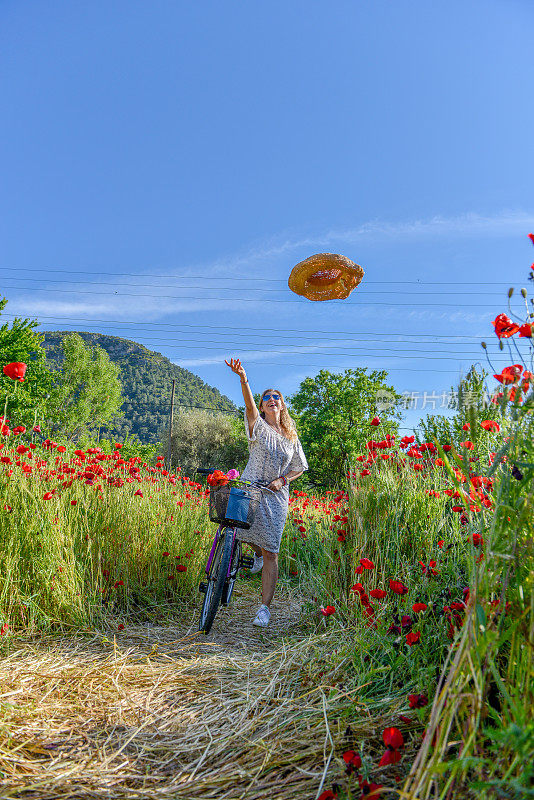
269	576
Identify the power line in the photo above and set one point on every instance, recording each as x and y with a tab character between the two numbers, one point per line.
241	413
78	320
323	351
238	280
231	288
318	349
247	336
324	365
240	299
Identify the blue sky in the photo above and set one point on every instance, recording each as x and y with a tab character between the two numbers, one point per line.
165	165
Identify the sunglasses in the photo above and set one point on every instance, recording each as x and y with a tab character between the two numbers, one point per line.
268	397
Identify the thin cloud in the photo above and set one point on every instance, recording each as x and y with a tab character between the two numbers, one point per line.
470	224
119	307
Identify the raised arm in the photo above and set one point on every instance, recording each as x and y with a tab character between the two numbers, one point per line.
250	405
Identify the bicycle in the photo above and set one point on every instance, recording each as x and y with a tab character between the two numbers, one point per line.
232	506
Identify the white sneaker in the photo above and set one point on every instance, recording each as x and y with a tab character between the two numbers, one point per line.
258	564
263	617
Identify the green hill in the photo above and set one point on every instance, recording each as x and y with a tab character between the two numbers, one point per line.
146	379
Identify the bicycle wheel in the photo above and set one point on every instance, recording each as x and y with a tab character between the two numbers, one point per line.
216	579
234	569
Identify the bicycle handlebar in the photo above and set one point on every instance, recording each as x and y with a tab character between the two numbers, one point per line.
208	471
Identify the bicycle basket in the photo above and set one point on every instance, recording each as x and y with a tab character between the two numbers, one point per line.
232	505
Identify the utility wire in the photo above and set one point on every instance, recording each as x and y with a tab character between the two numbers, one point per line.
231	288
324	365
107	273
292	339
78	320
240	413
242	299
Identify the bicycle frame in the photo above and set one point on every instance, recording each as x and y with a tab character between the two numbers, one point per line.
214	546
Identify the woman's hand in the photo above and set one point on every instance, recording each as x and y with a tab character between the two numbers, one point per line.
276	485
235	366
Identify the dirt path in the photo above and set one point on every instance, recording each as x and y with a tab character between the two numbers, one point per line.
161	711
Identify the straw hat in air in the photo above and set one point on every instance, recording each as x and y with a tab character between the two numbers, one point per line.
325	276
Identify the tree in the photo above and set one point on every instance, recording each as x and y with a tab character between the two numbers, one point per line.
472	402
20	342
87	392
333	412
204	439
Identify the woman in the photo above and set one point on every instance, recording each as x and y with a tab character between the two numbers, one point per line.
276	458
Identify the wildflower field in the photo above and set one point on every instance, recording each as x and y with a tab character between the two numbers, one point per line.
409	673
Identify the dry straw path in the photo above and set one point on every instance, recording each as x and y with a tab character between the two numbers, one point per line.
157	711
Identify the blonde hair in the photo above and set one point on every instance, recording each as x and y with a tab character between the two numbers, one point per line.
287	423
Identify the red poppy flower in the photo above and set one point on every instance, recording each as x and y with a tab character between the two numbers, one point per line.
358	587
477	539
389	757
139	493
504	327
510	374
49	495
418	607
375	421
352	758
369	790
417	700
458	508
392	737
181	568
120	626
447	447
73	502
413	637
328	795
16	371
217	478
526	330
441	542
490	425
4	629
512	394
326	612
377	594
398	587
531	237
364	472
466	426
165	554
367	563
468	445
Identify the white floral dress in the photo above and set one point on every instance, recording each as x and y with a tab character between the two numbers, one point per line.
271	455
